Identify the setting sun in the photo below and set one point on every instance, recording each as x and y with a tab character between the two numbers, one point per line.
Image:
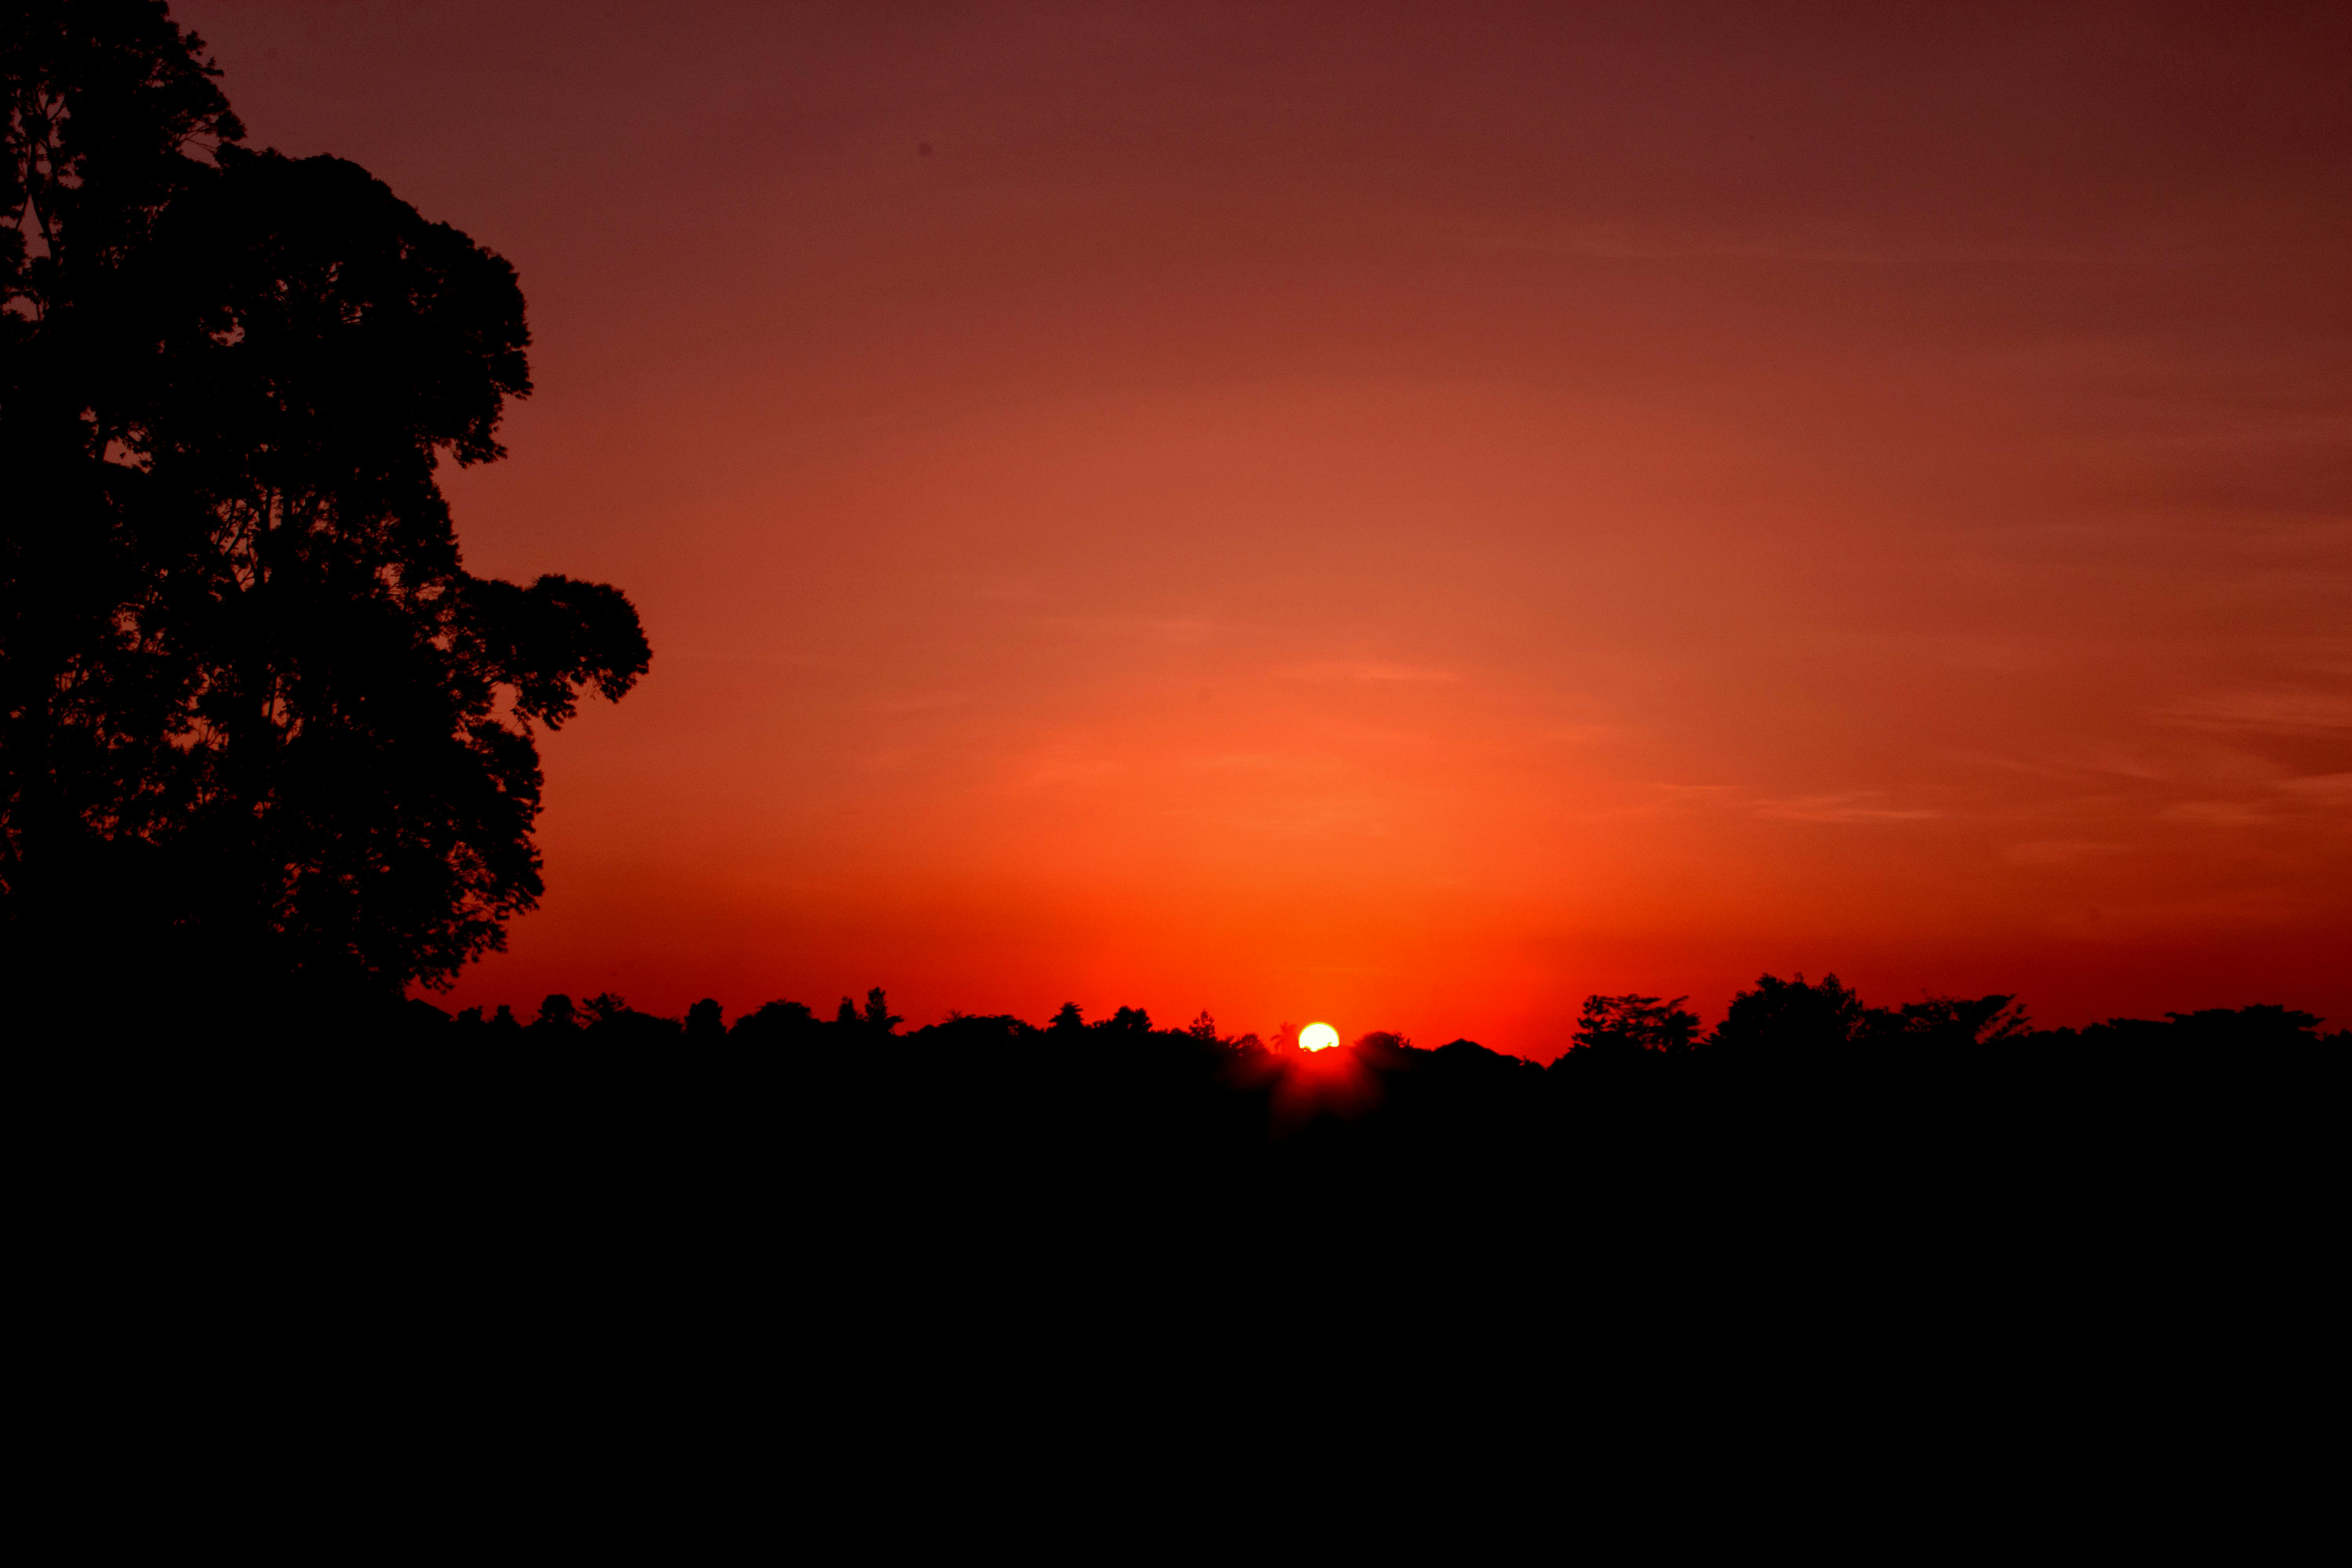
1318	1037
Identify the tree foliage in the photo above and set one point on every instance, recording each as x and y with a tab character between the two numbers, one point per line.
1628	1026
255	714
1792	1019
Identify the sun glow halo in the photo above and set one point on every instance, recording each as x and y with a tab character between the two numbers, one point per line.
1318	1037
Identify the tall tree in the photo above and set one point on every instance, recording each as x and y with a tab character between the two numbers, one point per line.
256	719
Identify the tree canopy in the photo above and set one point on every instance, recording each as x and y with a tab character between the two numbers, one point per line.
256	717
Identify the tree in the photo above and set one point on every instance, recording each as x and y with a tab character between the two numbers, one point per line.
1791	1019
1946	1022
256	718
877	1019
1782	1018
2265	1026
1630	1025
776	1023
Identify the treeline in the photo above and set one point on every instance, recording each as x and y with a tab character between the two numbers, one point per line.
1777	1019
1801	1096
1801	1078
1940	1157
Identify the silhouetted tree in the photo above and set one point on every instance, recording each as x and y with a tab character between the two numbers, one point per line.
705	1023
613	1023
102	105
1629	1025
1945	1022
256	719
1068	1019
877	1019
1785	1017
1203	1027
776	1023
2264	1025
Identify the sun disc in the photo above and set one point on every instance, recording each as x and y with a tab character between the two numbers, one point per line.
1318	1037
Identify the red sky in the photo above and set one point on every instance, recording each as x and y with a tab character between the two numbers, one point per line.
1410	516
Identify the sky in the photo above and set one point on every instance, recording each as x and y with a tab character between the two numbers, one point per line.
1410	516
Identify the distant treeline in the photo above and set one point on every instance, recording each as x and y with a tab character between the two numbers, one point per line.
1802	1099
1779	1018
1801	1081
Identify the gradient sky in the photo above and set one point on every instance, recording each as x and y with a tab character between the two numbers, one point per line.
1411	515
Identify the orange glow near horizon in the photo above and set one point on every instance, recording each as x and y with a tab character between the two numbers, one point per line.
1788	489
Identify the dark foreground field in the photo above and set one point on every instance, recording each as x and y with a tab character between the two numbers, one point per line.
1017	1268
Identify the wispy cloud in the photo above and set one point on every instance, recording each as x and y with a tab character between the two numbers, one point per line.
2217	813
1847	805
2056	852
1620	239
1367	671
919	703
2320	789
2290	712
1858	806
2313	798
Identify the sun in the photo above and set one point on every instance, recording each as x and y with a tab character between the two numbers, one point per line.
1318	1037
